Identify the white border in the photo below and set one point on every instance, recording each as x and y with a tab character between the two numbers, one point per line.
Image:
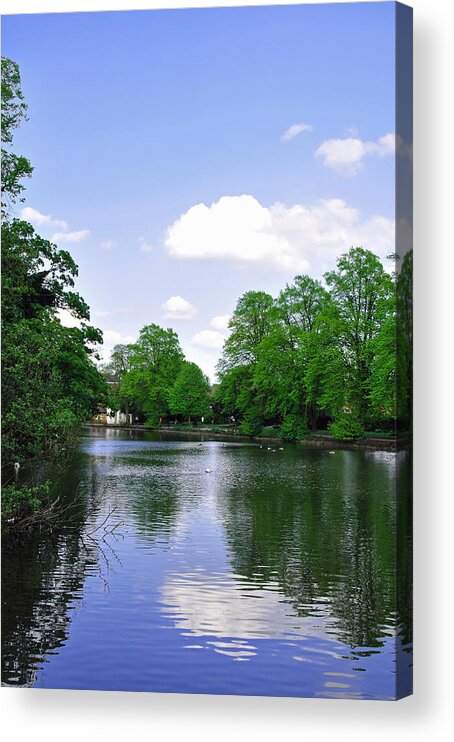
56	715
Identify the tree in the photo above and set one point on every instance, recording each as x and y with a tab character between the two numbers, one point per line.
114	372
189	395
14	110
154	362
50	383
250	324
360	290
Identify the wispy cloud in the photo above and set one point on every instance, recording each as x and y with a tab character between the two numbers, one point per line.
346	156
107	245
77	236
294	130
145	246
178	308
38	219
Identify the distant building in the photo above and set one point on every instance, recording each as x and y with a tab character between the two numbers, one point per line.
106	416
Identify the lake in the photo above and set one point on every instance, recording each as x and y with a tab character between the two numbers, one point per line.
210	566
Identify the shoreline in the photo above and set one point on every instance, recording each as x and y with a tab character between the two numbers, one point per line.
314	441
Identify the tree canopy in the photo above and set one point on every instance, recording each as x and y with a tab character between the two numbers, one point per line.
319	355
189	395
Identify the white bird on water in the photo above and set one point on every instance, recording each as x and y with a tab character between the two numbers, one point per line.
208	471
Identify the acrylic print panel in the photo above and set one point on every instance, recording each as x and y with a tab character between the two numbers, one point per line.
216	498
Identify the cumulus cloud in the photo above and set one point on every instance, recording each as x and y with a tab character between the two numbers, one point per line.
294	130
178	308
346	156
220	322
292	238
38	219
209	339
77	236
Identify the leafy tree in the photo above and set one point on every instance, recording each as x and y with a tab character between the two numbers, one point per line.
49	380
14	109
114	372
189	395
360	290
154	362
252	321
250	324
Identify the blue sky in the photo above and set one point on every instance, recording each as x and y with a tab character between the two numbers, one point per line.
184	157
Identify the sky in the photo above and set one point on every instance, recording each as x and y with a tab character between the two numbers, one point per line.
184	157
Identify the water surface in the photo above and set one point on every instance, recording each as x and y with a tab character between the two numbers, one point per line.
217	567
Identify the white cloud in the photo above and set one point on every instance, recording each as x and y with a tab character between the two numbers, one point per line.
294	130
78	236
220	322
67	319
112	337
208	339
346	156
144	246
107	245
178	308
38	219
292	238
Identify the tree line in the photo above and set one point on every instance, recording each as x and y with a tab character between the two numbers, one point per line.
336	356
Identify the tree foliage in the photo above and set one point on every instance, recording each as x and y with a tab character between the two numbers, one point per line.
189	395
50	382
14	110
154	363
336	354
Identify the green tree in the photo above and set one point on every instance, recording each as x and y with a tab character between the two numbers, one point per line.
360	290
14	110
154	362
114	371
50	383
251	322
189	395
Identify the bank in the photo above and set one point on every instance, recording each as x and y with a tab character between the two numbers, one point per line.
315	440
